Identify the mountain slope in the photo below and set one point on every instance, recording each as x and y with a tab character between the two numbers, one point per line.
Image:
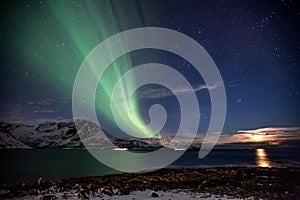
7	141
65	135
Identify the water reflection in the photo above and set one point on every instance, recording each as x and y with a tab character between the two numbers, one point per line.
262	159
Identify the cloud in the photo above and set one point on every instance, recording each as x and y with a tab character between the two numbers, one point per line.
46	111
287	137
33	110
271	130
12	112
43	103
275	136
164	92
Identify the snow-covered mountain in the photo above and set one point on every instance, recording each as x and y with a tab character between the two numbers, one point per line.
8	141
54	135
65	135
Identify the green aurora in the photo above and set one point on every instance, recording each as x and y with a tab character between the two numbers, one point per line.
55	37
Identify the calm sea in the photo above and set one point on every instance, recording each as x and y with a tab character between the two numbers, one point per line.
25	165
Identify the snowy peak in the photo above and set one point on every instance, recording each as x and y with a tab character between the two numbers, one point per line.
9	141
65	135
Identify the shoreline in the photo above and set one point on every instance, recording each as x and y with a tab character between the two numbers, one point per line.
233	182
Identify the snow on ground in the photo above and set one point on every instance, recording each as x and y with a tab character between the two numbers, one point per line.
142	195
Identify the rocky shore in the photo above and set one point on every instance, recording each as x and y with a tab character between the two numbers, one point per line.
237	182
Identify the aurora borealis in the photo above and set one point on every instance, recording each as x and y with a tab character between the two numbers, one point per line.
254	44
59	39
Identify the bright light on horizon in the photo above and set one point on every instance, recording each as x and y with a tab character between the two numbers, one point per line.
257	137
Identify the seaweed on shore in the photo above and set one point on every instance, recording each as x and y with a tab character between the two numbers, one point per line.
240	182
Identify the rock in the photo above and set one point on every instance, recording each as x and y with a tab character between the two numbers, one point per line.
116	192
107	191
76	186
154	194
81	194
3	192
206	195
275	196
66	196
49	197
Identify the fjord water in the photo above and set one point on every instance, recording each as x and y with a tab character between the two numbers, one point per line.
26	165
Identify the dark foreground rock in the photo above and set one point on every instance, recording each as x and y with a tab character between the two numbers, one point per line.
240	182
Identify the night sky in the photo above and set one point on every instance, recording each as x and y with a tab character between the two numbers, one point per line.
255	45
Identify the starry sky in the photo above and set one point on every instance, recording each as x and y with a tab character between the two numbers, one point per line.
255	45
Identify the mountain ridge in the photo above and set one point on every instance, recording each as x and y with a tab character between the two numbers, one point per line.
64	135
